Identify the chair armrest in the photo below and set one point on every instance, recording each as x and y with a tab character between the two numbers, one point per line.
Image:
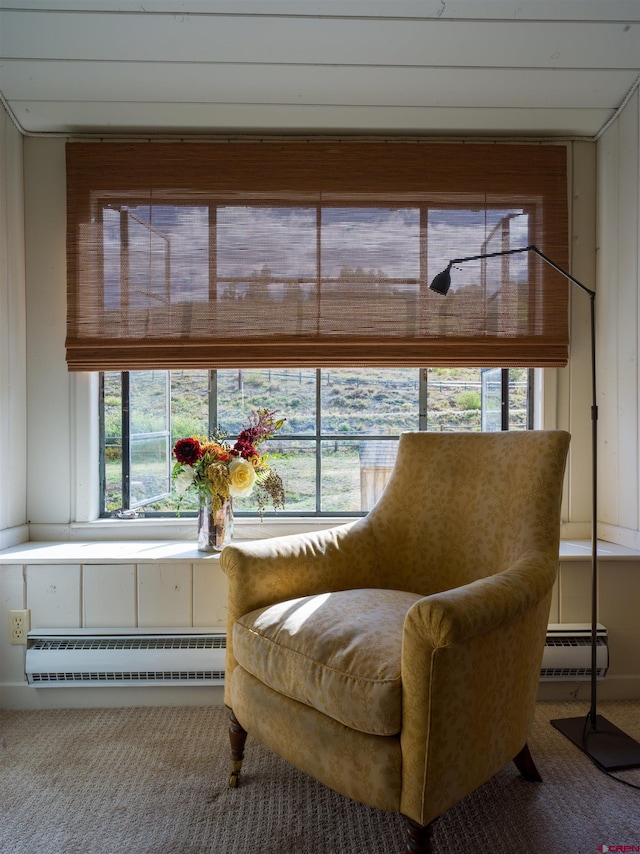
470	672
266	572
456	615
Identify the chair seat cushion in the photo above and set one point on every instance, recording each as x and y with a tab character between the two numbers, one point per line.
336	652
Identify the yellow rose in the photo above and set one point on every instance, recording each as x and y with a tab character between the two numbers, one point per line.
242	476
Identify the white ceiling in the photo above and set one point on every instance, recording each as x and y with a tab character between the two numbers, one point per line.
558	68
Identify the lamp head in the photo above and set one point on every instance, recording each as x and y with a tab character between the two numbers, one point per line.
442	282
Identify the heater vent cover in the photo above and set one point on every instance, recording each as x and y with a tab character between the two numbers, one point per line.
567	652
154	677
92	643
59	658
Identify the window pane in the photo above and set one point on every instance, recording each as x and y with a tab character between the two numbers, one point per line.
150	472
291	392
520	418
149	412
378	402
150	449
189	404
492	399
354	473
454	399
376	462
298	472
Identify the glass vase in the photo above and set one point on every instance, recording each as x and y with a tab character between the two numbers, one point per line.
215	527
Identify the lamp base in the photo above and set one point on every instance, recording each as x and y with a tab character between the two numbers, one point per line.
609	747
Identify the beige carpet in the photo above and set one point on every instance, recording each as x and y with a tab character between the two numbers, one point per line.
154	781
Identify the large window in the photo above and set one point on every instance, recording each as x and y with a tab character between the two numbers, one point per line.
336	448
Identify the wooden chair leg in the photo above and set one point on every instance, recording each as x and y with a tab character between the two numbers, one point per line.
237	737
526	766
417	837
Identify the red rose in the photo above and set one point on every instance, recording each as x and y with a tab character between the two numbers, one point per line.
187	451
244	448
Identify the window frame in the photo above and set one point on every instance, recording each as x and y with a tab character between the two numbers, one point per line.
318	437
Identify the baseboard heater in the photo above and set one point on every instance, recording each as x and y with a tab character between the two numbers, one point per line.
567	652
88	657
79	657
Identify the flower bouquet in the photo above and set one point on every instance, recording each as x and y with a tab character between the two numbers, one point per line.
218	472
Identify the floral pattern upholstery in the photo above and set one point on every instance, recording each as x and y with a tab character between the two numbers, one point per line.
463	547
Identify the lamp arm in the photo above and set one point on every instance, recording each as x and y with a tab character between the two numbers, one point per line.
551	263
536	251
492	254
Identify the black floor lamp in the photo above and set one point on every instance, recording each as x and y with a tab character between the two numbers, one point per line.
602	741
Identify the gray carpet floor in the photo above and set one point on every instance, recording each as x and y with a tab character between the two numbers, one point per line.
154	781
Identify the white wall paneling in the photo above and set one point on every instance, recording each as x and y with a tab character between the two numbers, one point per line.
124	583
85	487
98	595
574	381
165	594
51	470
54	596
607	318
109	595
209	595
618	610
619	326
627	330
12	597
13	383
574	592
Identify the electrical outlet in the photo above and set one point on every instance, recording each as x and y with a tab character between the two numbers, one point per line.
19	625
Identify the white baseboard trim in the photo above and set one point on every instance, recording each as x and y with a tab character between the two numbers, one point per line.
20	696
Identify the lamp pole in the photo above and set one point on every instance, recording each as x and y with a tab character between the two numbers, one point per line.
609	747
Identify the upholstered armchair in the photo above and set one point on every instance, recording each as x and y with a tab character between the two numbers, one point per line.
396	659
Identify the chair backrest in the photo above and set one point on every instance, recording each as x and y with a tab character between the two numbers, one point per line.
462	506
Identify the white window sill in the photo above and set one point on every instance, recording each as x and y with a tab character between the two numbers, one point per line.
581	549
147	549
140	539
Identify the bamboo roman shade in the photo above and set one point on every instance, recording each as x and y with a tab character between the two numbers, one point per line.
301	253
